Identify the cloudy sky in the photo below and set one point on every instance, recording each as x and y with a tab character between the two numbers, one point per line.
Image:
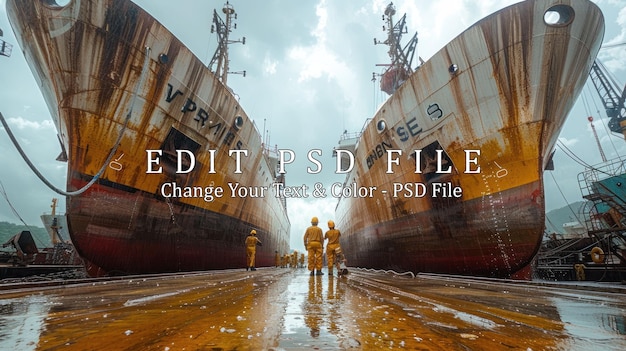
309	66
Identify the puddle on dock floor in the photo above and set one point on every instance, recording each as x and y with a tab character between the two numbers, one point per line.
283	309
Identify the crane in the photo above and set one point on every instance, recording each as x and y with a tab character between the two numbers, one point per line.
610	95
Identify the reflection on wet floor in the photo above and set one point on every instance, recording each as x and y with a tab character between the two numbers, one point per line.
22	321
285	309
594	324
315	317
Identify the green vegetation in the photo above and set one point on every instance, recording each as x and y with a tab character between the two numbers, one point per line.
40	234
556	218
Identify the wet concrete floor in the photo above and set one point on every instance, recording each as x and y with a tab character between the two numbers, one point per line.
286	309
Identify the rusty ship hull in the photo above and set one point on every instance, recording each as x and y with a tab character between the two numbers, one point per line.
118	84
496	95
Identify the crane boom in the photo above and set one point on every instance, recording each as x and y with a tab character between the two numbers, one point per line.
612	99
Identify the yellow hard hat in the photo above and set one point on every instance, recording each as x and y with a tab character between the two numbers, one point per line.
253	232
331	224
314	220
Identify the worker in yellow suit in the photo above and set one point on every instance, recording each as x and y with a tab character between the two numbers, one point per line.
286	261
314	243
251	242
333	243
294	259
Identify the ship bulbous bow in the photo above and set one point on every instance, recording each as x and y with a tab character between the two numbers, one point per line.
128	98
470	133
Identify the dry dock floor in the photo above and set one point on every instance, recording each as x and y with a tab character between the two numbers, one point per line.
286	309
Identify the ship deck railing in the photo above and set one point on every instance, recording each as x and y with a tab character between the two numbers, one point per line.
354	135
598	172
349	140
348	137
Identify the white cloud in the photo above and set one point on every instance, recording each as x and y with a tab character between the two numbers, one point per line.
317	59
614	51
269	66
568	142
22	123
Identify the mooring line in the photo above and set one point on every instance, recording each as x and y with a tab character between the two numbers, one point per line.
108	159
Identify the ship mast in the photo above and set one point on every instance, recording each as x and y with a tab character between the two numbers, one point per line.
399	70
223	29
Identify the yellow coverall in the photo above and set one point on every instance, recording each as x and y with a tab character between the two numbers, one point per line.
313	239
251	242
333	243
294	259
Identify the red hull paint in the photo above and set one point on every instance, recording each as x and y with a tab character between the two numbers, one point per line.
125	232
459	238
502	90
118	84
